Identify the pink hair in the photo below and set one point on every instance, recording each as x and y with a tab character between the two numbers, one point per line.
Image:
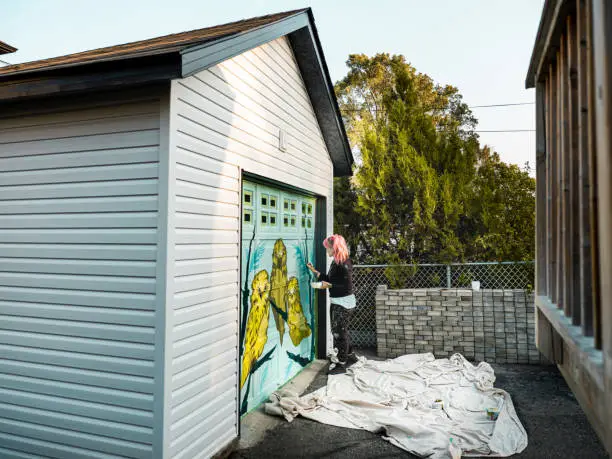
338	245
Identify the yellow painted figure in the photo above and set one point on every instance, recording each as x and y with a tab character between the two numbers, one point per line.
279	284
256	333
298	327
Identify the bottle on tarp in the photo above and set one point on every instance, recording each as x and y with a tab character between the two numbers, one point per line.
454	450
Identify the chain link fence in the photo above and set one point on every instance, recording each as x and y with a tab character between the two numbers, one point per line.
505	275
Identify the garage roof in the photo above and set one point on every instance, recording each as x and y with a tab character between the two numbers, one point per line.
182	54
153	46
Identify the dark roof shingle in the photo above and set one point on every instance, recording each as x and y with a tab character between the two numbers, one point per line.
153	46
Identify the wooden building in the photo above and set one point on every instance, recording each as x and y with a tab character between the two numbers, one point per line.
5	49
571	72
158	203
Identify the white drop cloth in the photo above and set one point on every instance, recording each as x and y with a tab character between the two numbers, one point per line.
395	397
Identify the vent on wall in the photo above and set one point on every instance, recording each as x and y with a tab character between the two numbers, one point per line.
282	140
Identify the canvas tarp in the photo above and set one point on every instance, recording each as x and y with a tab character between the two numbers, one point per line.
396	397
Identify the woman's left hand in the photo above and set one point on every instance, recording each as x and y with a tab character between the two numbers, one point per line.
326	285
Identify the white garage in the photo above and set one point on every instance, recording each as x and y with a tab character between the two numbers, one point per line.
124	290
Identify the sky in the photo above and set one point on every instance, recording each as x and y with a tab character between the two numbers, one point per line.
482	47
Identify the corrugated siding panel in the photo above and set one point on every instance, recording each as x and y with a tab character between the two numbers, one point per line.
227	118
78	235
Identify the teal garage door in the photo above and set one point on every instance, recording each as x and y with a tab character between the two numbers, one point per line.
277	323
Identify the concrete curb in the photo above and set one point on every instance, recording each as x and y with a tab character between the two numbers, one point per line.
253	426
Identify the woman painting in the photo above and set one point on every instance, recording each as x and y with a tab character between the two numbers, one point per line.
339	281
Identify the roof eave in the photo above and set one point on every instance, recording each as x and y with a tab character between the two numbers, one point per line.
548	32
348	170
91	77
110	59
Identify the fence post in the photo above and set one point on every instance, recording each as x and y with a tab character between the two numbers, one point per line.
448	276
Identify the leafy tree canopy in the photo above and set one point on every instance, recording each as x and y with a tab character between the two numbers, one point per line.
424	190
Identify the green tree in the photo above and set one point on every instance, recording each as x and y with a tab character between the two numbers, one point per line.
503	211
418	152
423	189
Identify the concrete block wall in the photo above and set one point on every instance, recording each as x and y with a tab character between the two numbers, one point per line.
496	326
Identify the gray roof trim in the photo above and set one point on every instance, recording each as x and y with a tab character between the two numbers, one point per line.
304	40
200	57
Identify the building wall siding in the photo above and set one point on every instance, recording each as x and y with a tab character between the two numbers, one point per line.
78	248
225	119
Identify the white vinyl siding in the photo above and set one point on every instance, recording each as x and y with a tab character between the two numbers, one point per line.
78	248
225	119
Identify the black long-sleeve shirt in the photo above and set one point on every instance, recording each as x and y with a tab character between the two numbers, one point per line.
341	278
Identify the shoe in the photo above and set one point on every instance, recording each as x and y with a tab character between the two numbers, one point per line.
351	359
337	369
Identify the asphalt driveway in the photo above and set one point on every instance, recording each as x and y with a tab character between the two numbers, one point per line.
556	425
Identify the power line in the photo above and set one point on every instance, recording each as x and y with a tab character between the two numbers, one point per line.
509	130
501	105
470	106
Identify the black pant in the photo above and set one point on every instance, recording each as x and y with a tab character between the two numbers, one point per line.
340	320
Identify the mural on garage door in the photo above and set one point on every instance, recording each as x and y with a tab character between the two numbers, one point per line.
277	326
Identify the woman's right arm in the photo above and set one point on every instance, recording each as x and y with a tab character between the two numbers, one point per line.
320	276
331	276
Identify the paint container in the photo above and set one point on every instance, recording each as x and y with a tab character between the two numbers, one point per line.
476	285
320	285
437	404
492	414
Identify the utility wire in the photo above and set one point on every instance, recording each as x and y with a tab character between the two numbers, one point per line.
509	130
470	106
501	105
482	106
